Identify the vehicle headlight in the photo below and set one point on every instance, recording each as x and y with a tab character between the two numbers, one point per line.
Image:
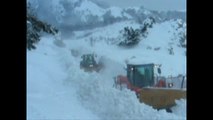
170	85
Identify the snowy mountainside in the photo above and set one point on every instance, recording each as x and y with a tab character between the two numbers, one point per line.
88	8
155	48
58	89
87	14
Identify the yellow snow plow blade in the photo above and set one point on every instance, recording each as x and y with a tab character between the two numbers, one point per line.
160	98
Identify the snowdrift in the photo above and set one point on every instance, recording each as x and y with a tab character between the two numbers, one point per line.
58	89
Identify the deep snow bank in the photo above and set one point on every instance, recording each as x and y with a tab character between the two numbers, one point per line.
96	94
47	96
96	91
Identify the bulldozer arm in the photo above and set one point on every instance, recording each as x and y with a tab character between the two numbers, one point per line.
161	98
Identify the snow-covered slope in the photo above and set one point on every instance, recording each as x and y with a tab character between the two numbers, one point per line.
47	95
87	14
58	89
154	48
88	8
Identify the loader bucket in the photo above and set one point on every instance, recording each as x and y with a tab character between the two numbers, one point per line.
161	98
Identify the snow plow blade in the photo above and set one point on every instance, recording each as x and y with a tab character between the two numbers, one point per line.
160	98
90	69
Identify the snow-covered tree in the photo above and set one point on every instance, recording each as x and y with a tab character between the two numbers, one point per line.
130	37
147	23
34	28
182	40
171	51
180	33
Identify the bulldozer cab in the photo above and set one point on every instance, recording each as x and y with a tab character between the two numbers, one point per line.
141	75
88	60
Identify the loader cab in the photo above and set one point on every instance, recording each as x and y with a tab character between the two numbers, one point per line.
141	75
88	60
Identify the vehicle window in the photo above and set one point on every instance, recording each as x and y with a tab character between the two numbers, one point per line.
144	76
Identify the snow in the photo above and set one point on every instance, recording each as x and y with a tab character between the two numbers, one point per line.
58	89
47	96
139	10
180	108
89	8
106	32
116	11
159	37
101	98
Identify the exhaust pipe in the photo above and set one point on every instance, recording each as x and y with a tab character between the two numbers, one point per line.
182	82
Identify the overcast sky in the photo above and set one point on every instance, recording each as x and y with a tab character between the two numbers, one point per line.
151	4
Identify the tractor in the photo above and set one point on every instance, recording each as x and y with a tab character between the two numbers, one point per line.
89	64
150	88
